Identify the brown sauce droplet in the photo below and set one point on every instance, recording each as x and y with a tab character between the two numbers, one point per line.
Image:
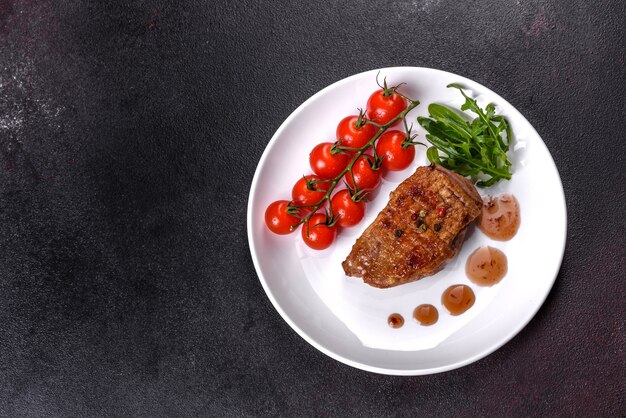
500	218
426	314
486	266
395	320
458	299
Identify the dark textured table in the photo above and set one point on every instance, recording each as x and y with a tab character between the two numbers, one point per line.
129	135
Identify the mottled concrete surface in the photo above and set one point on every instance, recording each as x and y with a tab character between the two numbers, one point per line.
129	135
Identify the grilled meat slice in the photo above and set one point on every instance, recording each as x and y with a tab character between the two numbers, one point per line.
420	229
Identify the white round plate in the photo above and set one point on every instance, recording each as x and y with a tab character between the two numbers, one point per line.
347	319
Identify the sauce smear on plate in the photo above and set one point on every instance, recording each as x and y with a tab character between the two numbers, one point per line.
426	314
500	218
486	266
458	298
395	320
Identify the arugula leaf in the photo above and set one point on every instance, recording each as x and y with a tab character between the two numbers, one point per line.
433	155
470	148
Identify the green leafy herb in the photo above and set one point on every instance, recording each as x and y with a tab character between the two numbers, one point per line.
470	148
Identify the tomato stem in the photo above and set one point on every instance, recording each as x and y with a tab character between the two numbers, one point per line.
360	121
388	91
409	139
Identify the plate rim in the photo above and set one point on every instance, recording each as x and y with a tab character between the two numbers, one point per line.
363	366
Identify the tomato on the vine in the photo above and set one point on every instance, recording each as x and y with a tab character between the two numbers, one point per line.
349	211
278	219
319	235
395	156
353	132
309	190
366	175
327	162
384	105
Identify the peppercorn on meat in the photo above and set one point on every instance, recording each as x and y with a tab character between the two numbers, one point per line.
420	229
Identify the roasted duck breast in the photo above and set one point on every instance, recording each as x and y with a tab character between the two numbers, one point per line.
420	229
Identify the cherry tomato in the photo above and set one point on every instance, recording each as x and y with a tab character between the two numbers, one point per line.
381	109
278	220
320	235
303	195
389	147
348	212
325	163
366	177
352	135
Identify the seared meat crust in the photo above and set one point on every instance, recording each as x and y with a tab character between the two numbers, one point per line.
420	229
